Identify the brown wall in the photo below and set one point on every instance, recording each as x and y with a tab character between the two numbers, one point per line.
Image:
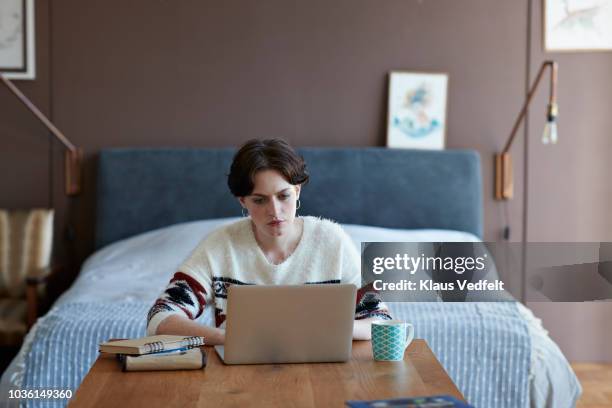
24	145
569	184
214	73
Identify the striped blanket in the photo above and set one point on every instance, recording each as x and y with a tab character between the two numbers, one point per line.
484	347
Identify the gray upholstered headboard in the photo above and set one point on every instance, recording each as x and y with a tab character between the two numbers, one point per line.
144	189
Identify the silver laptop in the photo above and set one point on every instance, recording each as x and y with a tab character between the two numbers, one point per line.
288	324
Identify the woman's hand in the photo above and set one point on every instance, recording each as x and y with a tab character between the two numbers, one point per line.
362	329
183	326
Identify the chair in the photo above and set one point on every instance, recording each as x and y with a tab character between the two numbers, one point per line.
25	251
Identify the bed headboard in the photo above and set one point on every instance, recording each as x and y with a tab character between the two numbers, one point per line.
143	189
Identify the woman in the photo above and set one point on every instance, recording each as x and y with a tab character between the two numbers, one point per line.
269	246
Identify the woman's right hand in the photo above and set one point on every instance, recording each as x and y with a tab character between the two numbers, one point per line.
181	325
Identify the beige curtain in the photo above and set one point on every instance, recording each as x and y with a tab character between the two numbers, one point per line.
26	238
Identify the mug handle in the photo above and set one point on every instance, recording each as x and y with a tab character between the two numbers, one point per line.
409	335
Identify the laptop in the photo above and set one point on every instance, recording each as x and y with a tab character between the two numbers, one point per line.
272	324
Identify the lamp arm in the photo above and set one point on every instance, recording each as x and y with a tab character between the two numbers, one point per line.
74	155
532	90
45	121
503	188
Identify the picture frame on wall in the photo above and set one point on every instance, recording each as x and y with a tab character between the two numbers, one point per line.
577	25
416	116
17	39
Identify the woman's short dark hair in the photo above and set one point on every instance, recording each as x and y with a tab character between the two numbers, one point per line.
269	154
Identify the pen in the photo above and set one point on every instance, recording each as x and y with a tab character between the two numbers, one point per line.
173	351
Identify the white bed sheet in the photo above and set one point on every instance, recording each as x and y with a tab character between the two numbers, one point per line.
138	269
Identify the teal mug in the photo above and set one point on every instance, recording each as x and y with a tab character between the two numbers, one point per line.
390	338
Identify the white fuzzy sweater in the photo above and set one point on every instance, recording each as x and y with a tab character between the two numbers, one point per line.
231	255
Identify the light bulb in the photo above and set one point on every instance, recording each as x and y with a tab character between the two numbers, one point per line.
550	133
553	133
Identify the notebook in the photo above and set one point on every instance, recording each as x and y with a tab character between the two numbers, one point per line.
151	344
435	401
191	359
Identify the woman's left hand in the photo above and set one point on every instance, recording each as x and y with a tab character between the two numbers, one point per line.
362	329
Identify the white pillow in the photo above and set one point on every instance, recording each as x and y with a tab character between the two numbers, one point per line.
138	268
362	233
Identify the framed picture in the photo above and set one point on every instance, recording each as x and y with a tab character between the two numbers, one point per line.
417	110
577	25
17	56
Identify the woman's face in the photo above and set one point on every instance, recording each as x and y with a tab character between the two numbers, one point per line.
272	203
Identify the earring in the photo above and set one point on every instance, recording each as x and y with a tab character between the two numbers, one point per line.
298	204
245	213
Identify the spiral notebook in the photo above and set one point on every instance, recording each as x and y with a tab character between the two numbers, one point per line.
151	344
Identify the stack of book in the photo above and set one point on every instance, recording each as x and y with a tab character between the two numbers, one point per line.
162	352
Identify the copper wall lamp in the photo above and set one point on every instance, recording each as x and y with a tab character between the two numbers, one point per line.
73	156
503	162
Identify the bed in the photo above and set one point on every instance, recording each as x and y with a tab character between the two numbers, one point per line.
155	205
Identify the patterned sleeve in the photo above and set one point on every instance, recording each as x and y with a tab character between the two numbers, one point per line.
186	294
369	304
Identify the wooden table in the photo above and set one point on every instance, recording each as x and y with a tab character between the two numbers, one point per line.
274	385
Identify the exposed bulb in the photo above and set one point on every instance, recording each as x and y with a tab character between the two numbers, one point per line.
553	133
550	133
